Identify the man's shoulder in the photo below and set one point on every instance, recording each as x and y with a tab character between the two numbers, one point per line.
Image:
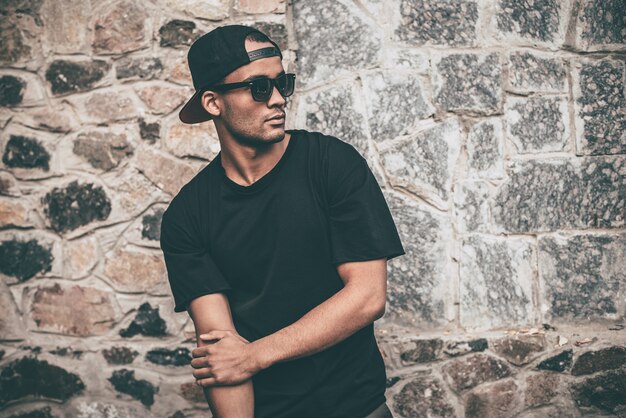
328	145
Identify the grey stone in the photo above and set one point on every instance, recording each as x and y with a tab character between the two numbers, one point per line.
519	350
45	412
556	194
13	252
138	68
177	33
600	108
424	397
485	150
458	348
529	72
395	103
70	77
149	131
323	26
599	360
468	372
537	19
25	152
419	282
424	351
335	111
122	29
471	200
11	90
606	392
67	352
498	400
147	322
12	325
581	275
424	164
165	357
558	363
431	22
603	23
75	205
20	23
541	388
496	281
277	32
102	151
86	408
151	225
119	355
124	381
538	124
468	83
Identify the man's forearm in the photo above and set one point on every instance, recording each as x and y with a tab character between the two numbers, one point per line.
231	401
332	321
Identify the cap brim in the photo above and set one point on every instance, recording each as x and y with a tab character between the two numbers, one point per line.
193	112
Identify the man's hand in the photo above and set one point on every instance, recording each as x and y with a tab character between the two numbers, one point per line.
226	360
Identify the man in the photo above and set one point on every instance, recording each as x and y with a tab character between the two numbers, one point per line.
277	248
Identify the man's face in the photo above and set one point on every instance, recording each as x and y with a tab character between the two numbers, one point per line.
246	119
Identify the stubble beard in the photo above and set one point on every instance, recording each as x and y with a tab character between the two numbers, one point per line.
240	131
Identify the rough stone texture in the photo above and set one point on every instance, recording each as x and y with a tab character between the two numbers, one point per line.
602	25
75	310
8	185
107	106
75	205
48	119
25	152
138	68
198	140
147	322
163	356
470	371
67	37
419	281
425	351
12	252
79	257
70	77
558	363
485	150
102	151
202	9
606	392
423	397
151	225
530	72
424	164
162	99
45	412
11	322
336	110
471	199
135	271
124	381
581	275
600	360
11	90
467	83
165	172
458	348
276	31
192	392
395	102
29	376
498	400
600	106
538	19
149	131
429	22
119	409
556	194
538	124
14	213
519	350
496	276
120	30
67	352
178	33
119	355
260	7
331	26
20	26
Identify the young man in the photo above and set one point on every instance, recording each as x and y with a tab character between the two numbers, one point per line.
277	249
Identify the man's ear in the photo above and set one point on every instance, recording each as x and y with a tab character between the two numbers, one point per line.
209	101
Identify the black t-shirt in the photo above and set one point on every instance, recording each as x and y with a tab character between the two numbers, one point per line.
273	248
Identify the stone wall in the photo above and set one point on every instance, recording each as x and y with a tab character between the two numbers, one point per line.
497	129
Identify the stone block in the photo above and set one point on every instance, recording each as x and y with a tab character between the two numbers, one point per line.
459	348
496	282
605	393
214	10
11	323
395	103
531	72
277	32
600	107
599	26
519	350
27	153
581	276
337	111
537	20
149	131
538	124
80	257
470	371
147	322
151	225
423	351
63	34
557	363
161	99
332	26
419	282
11	90
471	206
120	29
21	28
197	140
124	381
14	248
423	164
424	397
599	360
165	357
15	213
260	6
130	270
119	355
467	83
166	172
497	400
485	150
102	150
431	22
560	194
106	106
144	68
75	76
45	412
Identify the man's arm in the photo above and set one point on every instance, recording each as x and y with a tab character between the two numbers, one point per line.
359	303
212	312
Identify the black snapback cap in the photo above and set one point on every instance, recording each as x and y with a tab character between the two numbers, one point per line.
212	57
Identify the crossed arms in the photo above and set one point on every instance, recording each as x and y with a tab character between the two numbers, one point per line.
224	362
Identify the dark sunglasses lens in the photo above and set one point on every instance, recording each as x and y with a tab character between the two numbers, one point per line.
262	89
285	84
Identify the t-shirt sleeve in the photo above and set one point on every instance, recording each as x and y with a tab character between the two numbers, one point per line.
191	270
361	225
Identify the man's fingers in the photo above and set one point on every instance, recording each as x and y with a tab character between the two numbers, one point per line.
214	335
202	373
210	381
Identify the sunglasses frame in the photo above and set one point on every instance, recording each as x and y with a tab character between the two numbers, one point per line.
232	86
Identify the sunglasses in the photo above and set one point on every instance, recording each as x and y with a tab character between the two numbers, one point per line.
262	88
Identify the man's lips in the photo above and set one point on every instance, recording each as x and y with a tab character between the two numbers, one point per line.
280	116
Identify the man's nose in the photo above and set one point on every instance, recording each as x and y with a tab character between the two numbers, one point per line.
276	97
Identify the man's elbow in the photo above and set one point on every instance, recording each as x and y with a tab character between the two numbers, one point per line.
376	307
